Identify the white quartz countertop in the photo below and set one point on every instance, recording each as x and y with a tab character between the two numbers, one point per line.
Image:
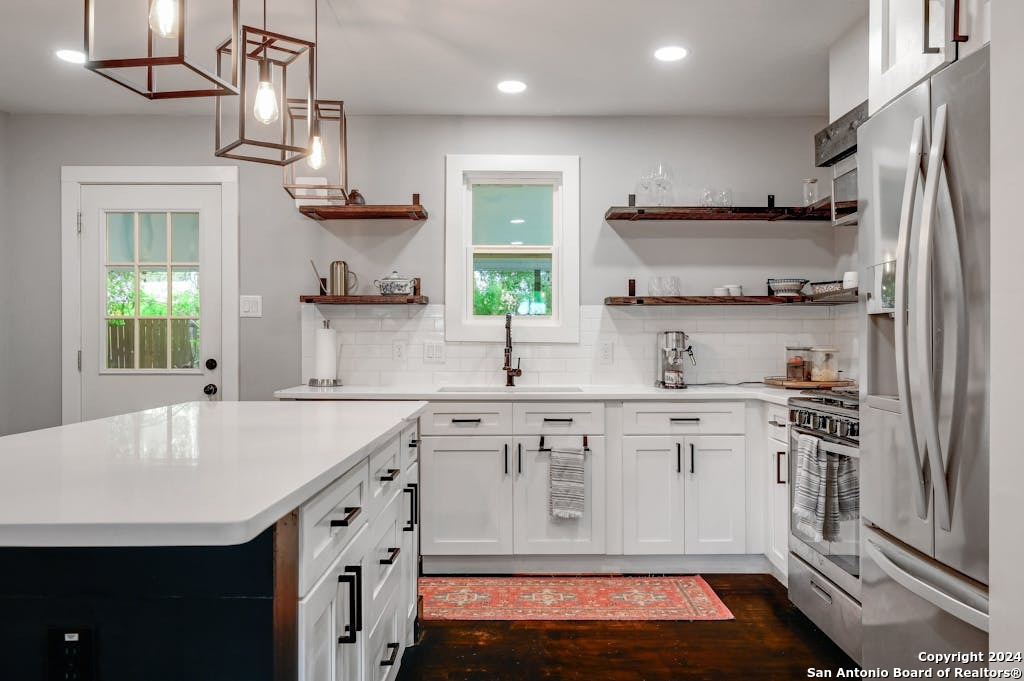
199	473
755	391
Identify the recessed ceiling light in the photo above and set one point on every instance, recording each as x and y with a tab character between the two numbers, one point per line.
515	243
670	53
512	87
71	56
517	221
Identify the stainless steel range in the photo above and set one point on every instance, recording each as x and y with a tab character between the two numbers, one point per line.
824	566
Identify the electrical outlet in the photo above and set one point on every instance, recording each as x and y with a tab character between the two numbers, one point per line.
398	351
606	352
433	352
70	654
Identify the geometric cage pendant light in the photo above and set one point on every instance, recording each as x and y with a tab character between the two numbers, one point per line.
166	72
271	69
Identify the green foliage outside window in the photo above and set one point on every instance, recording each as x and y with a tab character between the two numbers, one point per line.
502	292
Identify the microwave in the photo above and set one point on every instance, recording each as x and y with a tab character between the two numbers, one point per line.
844	191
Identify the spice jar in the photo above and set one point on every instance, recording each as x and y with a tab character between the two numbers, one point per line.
825	364
798	363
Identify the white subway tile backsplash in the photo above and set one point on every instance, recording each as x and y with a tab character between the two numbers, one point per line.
730	344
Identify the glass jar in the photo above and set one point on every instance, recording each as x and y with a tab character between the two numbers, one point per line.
824	364
810	191
798	363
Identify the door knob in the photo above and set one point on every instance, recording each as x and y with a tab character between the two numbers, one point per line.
210	389
211	364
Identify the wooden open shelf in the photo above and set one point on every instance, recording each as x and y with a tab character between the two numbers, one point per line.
722	300
817	212
366	300
413	211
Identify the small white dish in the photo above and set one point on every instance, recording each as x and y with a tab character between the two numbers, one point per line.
734	289
720	291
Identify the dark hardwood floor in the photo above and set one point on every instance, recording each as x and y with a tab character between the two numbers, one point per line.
769	639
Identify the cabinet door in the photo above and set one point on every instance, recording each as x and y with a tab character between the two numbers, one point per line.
652	495
908	40
976	25
411	551
715	494
536	532
466	493
331	635
778	507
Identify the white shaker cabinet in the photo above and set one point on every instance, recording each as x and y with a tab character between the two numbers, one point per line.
776	449
536	532
466	496
715	494
652	495
907	41
975	24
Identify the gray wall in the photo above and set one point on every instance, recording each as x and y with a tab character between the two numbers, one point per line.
1007	462
392	157
6	290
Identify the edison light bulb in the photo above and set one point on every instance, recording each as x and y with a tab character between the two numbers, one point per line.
265	108
317	157
163	18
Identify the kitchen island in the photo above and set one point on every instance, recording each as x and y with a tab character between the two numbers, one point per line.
180	542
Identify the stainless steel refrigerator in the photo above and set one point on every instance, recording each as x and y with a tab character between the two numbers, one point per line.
924	253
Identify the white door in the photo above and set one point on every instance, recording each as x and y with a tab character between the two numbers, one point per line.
652	495
536	532
908	40
150	295
466	488
778	507
715	494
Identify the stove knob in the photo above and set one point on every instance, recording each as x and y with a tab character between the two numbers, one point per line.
855	429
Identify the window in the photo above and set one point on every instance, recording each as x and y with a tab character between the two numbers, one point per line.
512	246
152	291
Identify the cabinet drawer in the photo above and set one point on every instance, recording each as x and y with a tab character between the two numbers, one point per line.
777	423
329	521
467	418
828	606
410	444
558	418
385	645
682	418
385	475
384	569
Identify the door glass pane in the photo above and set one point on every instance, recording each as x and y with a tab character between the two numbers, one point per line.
120	344
152	292
512	214
185	237
512	282
120	291
152	237
184	343
152	343
120	237
185	291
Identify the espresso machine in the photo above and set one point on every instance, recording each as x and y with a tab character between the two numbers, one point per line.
672	347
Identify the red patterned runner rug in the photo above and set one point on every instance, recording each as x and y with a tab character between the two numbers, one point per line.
570	598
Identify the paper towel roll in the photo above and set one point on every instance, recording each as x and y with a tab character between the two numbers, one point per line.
325	364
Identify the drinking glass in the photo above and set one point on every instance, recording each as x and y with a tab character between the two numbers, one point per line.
707	196
724	198
662	178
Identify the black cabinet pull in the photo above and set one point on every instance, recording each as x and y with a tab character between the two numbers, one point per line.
390	475
467	420
691	459
684	419
350	628
351	512
520	458
357	570
393	552
414	443
393	647
550	420
413	491
778	468
679	458
506	458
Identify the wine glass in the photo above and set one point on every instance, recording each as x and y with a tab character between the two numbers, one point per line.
662	177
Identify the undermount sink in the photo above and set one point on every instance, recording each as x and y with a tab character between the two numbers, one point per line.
513	389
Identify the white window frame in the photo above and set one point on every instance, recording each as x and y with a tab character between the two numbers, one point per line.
563	172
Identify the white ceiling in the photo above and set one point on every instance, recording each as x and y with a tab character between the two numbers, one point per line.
578	57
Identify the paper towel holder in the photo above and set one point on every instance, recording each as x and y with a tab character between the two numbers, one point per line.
325	382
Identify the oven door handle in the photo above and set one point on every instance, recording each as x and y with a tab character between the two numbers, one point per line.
826	445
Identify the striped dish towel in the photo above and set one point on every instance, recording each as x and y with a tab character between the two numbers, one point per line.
847	489
809	497
566	488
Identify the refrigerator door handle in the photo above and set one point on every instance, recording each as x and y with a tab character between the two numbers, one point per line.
941	591
915	165
928	410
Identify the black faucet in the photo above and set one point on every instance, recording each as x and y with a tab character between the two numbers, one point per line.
510	373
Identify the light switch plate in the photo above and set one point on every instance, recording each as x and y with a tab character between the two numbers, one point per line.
433	352
250	306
